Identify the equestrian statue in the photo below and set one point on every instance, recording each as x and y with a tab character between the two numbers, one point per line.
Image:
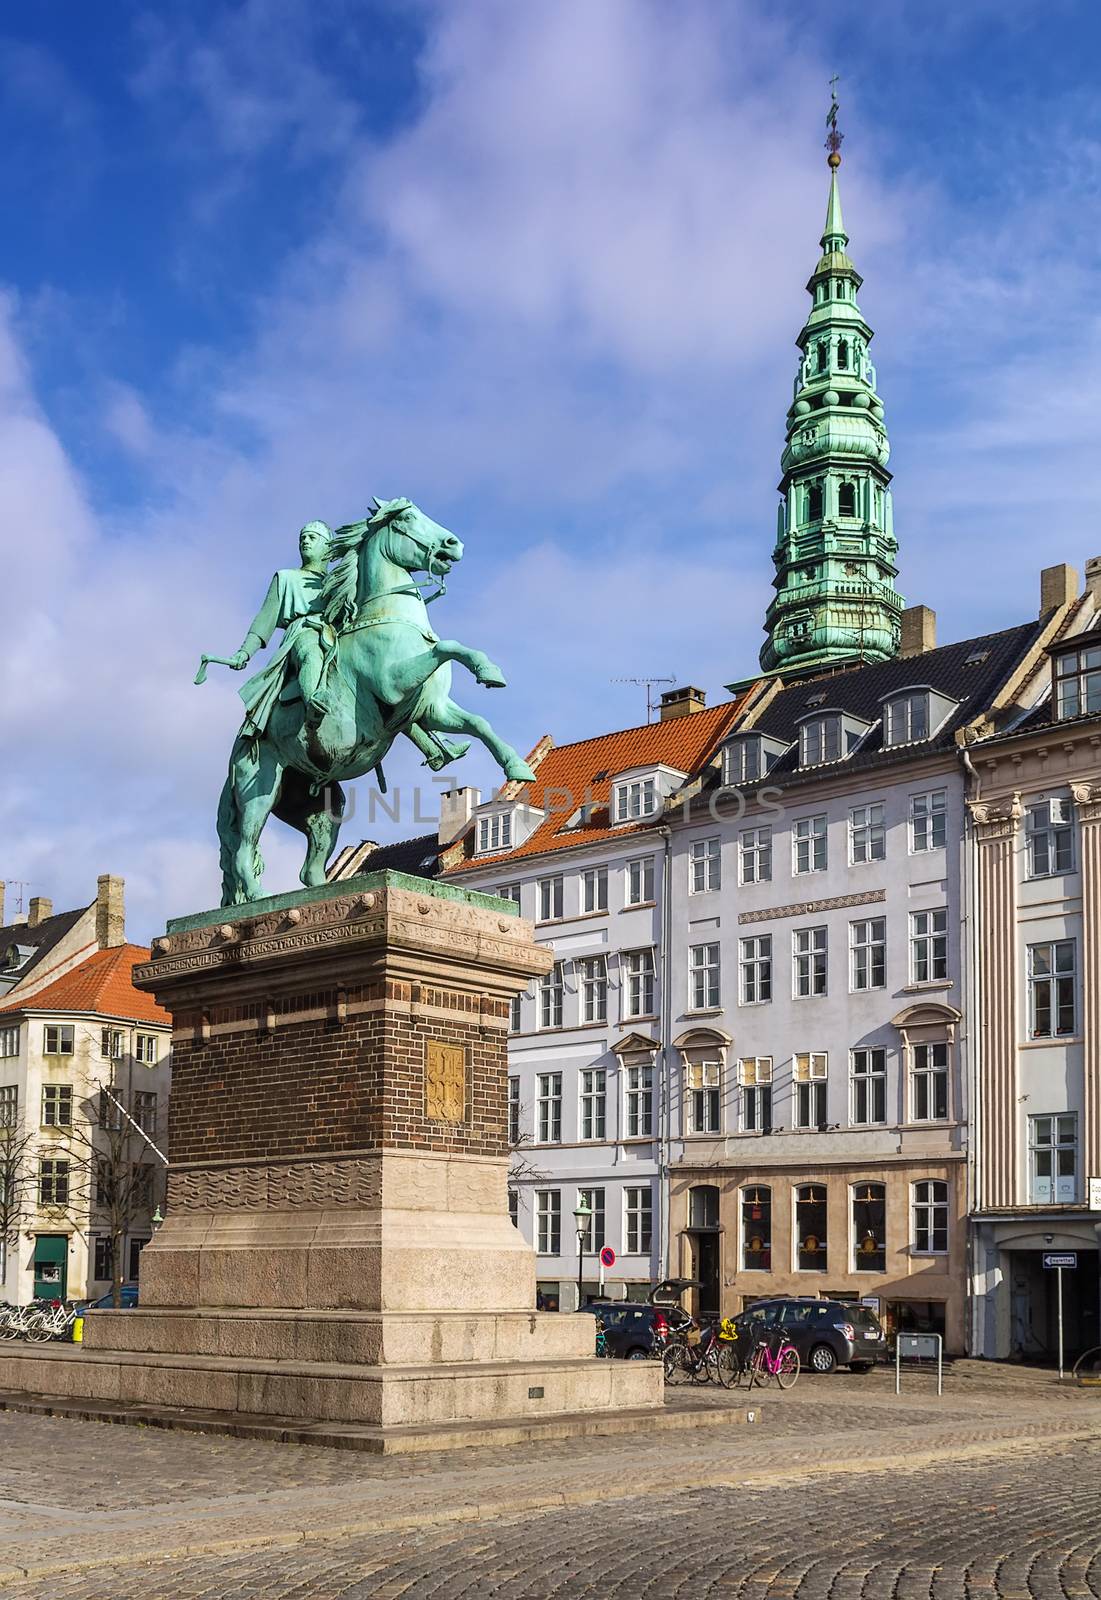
357	665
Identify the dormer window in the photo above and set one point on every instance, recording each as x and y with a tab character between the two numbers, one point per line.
636	798
750	758
829	737
915	714
495	833
1078	682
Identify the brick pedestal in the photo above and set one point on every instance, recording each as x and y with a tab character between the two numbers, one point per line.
337	1243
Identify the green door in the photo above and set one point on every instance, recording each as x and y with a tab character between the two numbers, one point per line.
51	1266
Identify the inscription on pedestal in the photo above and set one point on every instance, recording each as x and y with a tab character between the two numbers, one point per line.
444	1082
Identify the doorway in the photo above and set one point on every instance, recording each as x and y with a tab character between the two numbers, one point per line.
51	1266
704	1247
1034	1306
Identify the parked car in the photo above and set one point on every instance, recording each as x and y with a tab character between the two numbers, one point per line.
629	1327
827	1333
129	1297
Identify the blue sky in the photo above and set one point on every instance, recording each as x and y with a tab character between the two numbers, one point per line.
538	266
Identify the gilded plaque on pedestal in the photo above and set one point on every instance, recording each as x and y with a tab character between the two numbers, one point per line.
445	1081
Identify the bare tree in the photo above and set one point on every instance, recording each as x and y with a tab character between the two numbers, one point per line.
125	1165
18	1183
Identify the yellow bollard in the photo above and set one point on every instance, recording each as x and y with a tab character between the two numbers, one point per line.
78	1330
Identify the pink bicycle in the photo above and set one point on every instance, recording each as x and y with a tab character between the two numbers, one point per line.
764	1363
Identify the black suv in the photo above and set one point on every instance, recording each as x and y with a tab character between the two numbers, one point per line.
628	1327
826	1333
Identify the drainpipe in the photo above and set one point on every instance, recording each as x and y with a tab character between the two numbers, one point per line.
665	1045
971	1041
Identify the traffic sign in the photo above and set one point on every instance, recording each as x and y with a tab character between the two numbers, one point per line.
607	1256
1066	1260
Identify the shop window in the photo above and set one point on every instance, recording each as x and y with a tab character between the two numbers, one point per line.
810	1227
869	1202
757	1228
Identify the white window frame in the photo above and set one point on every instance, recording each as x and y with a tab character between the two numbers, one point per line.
1078	682
704	865
59	1168
703	1090
1049	845
928	821
809	845
867	954
638	1220
513	1110
704	977
9	1107
868	1084
548	1108
639	1094
593	1107
146	1049
57	1105
755	1081
1052	967
63	1037
639	982
930	1214
636	798
550	891
810	1079
1062	1138
507	891
515	1013
930	1066
552	990
594	988
905	722
821	740
755	970
596	1228
639	874
867	833
494	833
810	962
9	1042
755	855
548	1222
929	945
594	890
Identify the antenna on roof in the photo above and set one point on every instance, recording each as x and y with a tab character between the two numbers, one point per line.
652	705
16	883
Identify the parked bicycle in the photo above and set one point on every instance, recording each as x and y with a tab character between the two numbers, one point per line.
38	1321
781	1363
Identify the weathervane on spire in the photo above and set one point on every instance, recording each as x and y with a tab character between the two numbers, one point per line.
833	138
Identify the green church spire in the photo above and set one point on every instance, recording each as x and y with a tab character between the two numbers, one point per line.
835	546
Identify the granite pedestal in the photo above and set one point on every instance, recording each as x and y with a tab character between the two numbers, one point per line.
337	1244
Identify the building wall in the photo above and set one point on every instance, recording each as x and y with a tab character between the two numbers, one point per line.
901	1150
80	1221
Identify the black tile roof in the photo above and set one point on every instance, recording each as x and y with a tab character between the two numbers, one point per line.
860	690
418	856
43	936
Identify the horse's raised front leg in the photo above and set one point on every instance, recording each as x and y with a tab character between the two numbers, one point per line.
445	716
398	678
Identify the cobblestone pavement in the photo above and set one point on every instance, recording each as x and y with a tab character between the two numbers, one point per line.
841	1491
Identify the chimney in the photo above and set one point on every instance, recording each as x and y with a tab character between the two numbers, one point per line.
681	702
919	631
1093	587
110	911
40	908
456	810
1058	587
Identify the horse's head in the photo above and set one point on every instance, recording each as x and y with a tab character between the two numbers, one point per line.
411	540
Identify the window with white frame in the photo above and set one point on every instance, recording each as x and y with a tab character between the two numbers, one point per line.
57	1105
867	833
594	1103
868	1088
9	1105
551	991
755	855
550	898
53	1182
810	962
755	1075
908	718
820	741
640	881
594	889
495	833
1049	835
548	1222
639	1220
515	1013
9	1042
640	1100
112	1043
508	891
928	821
1053	1159
808	845
1078	682
57	1039
145	1049
1051	989
750	758
755	970
548	1107
929	946
594	989
514	1111
703	1081
592	1239
930	1217
703	866
868	953
638	983
929	1082
514	1206
636	798
703	977
810	1074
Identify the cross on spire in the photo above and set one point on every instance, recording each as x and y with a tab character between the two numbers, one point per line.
833	137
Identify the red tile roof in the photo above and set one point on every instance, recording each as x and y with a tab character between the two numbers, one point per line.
104	984
584	772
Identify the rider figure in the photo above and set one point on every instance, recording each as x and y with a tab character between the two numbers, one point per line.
293	602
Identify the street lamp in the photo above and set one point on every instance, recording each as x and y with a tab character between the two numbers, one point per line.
582	1216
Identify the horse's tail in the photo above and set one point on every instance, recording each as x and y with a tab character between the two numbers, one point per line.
229	839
